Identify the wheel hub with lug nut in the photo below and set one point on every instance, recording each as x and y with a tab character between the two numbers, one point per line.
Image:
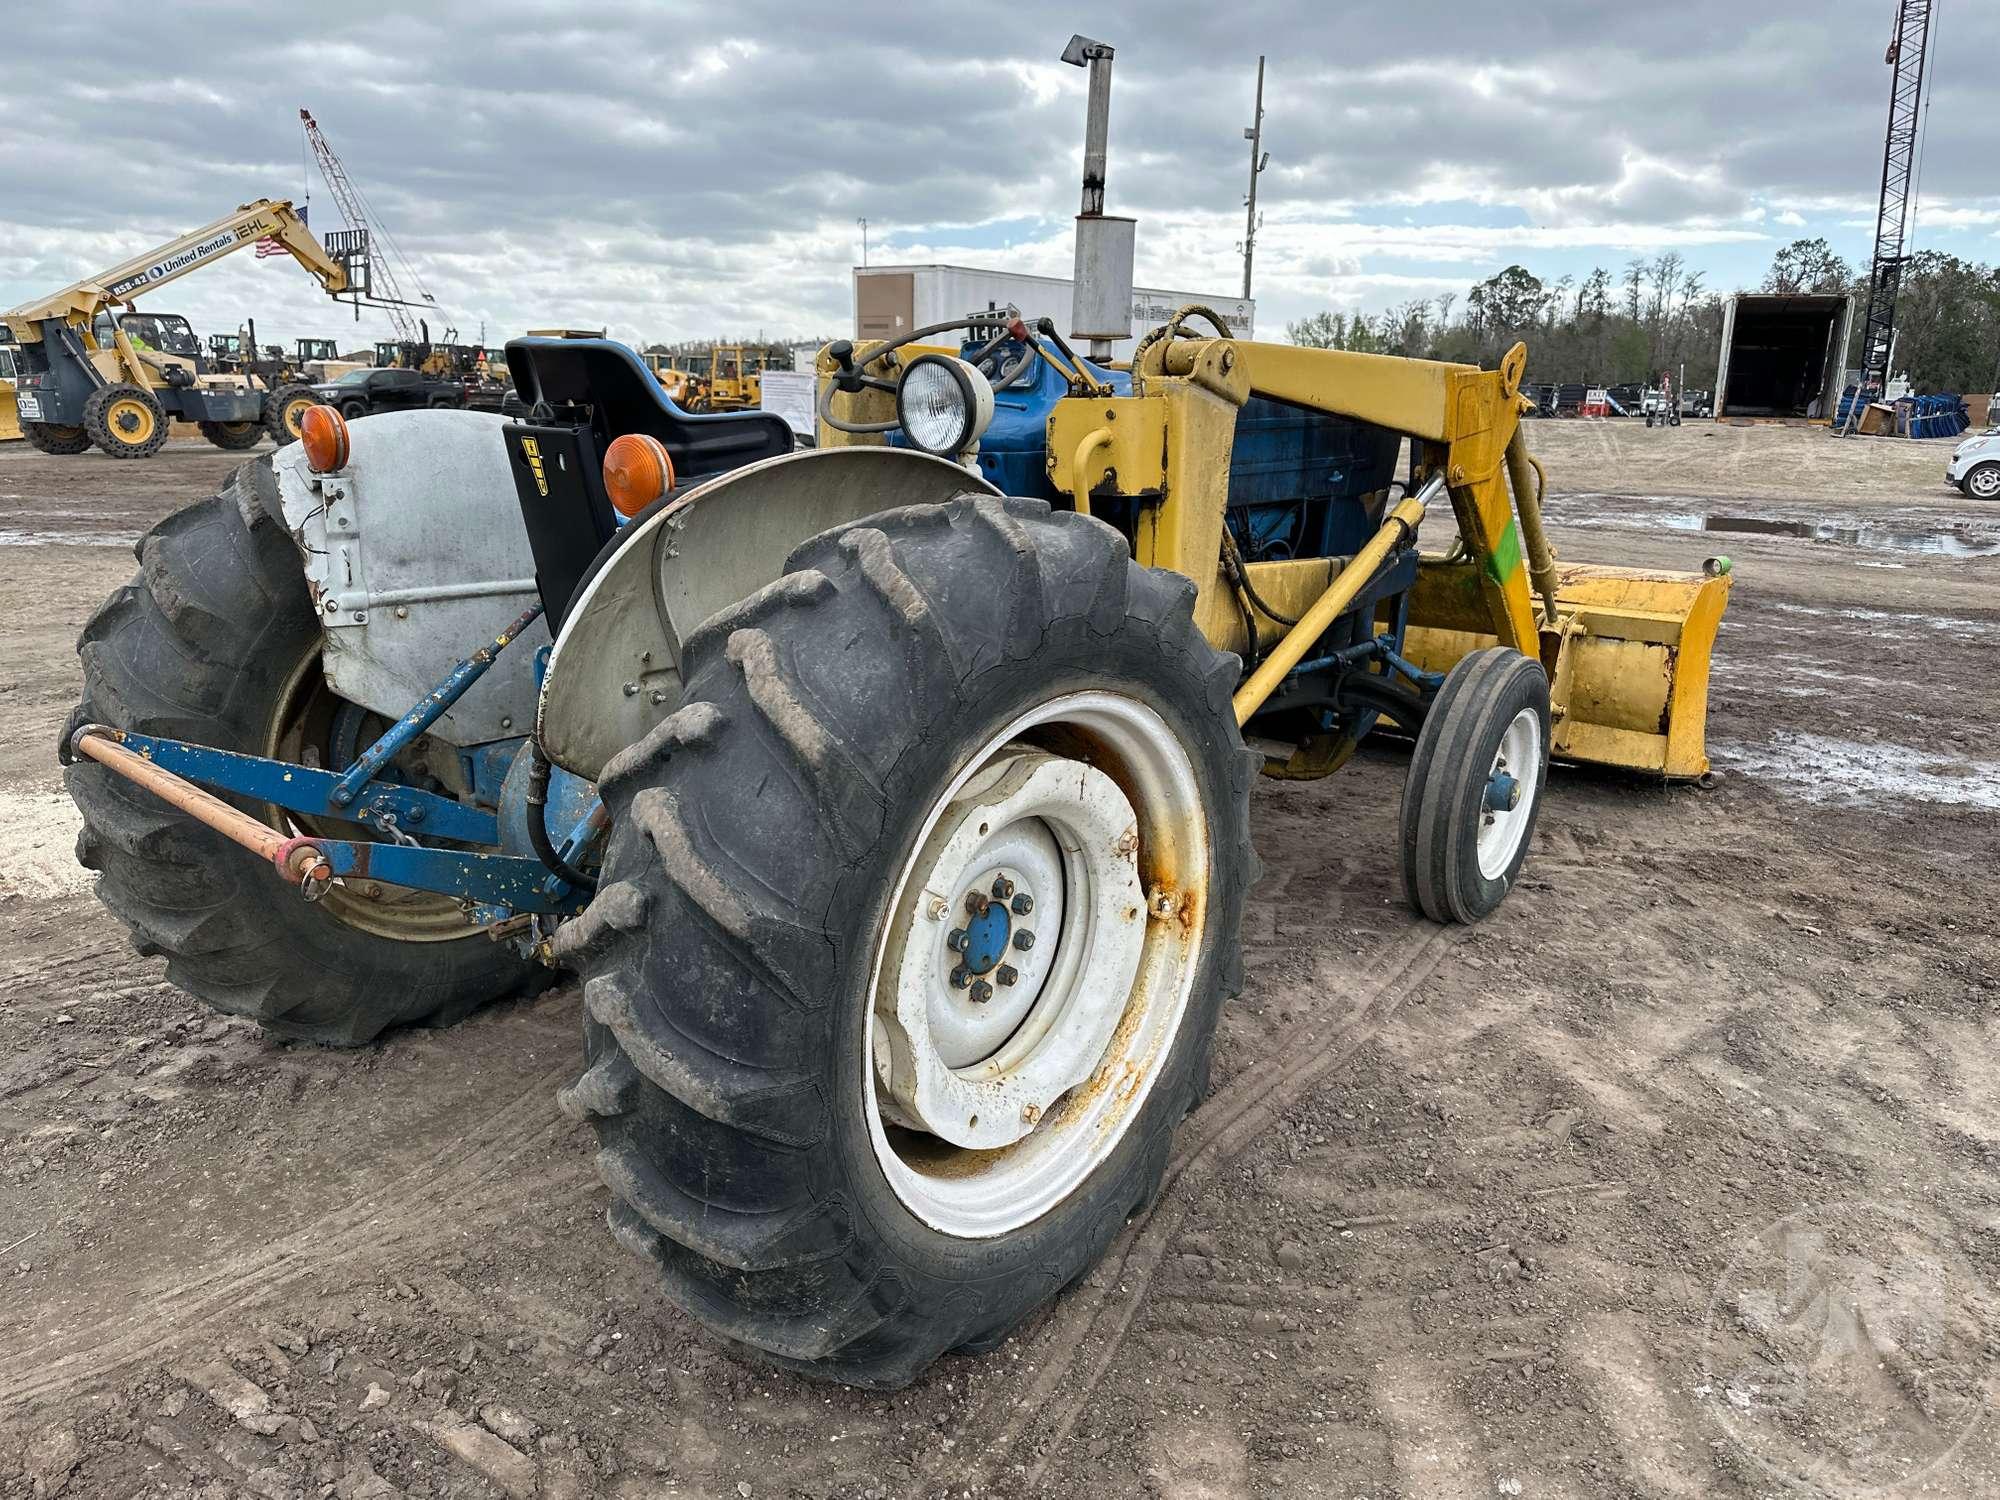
986	1115
995	1010
1511	786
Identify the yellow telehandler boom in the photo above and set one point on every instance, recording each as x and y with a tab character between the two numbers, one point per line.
267	218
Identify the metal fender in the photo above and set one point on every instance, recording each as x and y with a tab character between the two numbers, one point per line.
616	668
415	552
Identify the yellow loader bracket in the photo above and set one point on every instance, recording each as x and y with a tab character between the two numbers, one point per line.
1626	651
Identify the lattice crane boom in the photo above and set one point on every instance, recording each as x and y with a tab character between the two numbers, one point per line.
1906	57
370	244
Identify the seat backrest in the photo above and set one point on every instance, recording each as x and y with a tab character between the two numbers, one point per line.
608	385
575	396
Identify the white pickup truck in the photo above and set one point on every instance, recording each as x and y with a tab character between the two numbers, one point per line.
1975	463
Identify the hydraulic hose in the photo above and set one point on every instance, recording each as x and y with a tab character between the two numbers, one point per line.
1172	329
538	828
1529	481
1232	559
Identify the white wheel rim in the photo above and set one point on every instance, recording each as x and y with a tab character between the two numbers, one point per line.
985	1115
1985	483
1502	829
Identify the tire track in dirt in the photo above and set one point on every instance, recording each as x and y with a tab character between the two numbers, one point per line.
448	1191
1102	1309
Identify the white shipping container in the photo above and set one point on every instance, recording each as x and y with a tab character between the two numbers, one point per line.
889	301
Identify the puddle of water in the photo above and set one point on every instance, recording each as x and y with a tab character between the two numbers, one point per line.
1948	542
1887	622
1940	542
1824	769
68	539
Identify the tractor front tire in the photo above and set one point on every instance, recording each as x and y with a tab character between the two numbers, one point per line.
202	646
234	437
1474	785
284	409
916	919
50	437
125	421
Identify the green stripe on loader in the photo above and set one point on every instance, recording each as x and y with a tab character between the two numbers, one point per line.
1505	559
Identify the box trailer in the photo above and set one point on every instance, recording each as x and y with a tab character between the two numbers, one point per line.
891	300
1782	356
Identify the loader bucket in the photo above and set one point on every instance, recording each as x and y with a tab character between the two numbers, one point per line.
10	413
1627	657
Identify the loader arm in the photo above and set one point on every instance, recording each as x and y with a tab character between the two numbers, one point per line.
1626	651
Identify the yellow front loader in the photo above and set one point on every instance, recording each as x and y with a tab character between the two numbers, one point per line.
891	799
1626	651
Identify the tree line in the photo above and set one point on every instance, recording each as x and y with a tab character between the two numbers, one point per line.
1658	314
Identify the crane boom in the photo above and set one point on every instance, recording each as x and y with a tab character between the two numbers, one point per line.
1906	58
264	219
382	271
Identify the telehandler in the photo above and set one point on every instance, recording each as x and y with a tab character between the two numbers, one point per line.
95	371
891	799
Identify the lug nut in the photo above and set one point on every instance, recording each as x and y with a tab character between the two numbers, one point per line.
1006	974
1023	904
981	992
958	940
976	902
1002	887
1024	939
961	977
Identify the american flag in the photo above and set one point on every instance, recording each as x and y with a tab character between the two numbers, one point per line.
271	245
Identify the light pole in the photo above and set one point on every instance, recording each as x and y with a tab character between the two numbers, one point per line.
864	240
1259	159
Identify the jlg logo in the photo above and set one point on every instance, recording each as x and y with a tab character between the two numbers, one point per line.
532	452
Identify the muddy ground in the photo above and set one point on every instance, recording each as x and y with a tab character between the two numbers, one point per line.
1678	1179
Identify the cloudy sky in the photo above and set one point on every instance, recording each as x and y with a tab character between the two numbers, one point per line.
677	170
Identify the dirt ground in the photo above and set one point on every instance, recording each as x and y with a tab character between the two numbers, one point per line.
1678	1178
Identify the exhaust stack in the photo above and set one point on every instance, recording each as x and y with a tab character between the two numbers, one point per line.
1101	301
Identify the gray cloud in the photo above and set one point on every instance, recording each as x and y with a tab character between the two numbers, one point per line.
680	168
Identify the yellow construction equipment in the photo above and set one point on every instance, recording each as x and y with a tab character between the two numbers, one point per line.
893	800
1626	651
723	377
94	371
10	422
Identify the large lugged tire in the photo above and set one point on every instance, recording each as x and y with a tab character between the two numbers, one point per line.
125	421
48	437
807	886
235	437
1474	785
207	644
284	408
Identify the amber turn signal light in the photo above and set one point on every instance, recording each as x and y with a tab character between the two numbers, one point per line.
637	471
323	434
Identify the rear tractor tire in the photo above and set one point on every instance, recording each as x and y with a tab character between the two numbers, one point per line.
125	421
215	642
235	437
49	437
284	409
915	923
1474	786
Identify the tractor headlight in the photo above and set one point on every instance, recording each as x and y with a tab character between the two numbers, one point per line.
944	404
